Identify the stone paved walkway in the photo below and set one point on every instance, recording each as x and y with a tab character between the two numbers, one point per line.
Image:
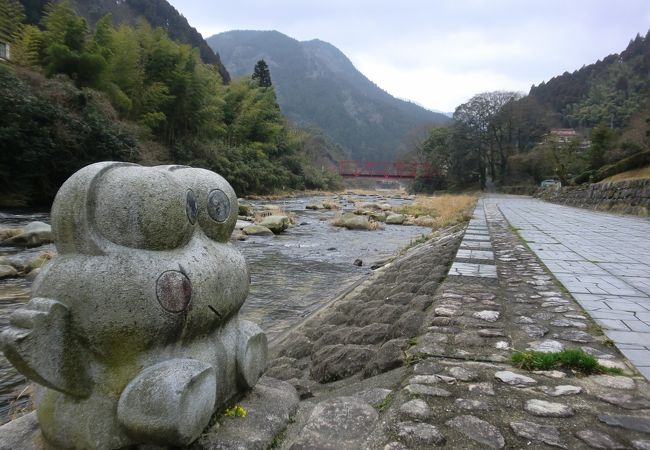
602	259
411	360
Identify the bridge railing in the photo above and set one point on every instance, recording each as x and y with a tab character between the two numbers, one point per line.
384	169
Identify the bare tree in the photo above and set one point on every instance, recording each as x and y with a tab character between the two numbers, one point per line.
487	134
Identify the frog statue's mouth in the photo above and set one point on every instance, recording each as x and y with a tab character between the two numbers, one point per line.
174	290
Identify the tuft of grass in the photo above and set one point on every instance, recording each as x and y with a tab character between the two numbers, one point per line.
571	359
22	404
385	403
282	434
442	210
608	342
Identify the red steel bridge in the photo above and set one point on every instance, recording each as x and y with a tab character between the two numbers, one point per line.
384	169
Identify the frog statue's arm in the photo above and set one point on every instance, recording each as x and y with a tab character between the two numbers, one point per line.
40	345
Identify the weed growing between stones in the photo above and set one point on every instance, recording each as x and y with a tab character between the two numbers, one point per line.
22	404
235	411
608	342
279	438
571	359
385	403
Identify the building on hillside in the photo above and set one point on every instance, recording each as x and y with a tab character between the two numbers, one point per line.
565	135
5	53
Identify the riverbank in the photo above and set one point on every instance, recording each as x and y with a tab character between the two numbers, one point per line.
418	356
411	359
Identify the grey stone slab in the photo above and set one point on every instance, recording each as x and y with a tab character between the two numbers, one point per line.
629	337
621	305
594	305
562	256
475	254
476	237
473	270
626	270
637	325
478	231
478	245
549	247
613	324
637	357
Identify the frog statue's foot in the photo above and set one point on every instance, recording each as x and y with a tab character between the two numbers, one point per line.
252	349
169	403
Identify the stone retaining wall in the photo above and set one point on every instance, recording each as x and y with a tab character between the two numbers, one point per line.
629	197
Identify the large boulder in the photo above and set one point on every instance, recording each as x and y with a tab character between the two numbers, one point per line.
33	234
395	219
256	230
276	223
6	233
352	222
7	271
371	206
38	261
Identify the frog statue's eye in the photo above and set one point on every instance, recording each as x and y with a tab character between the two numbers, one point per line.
191	208
218	205
215	200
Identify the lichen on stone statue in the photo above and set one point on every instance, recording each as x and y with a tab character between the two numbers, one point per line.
132	334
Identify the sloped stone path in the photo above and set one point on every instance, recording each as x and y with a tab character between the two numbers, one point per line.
454	386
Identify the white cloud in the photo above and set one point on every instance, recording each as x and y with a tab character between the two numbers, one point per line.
436	88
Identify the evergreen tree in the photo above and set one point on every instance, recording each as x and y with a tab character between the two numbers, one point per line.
261	74
27	49
601	137
12	16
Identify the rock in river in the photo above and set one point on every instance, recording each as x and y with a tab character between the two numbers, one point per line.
277	224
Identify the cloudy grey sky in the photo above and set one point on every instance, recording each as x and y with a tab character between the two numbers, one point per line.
439	53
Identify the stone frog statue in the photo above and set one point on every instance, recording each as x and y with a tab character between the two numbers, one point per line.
132	332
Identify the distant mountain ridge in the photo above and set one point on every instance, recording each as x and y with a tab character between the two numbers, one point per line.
317	85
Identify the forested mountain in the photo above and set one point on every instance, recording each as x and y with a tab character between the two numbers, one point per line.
578	127
610	90
317	85
71	95
158	13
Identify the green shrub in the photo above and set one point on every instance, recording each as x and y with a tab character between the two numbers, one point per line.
571	359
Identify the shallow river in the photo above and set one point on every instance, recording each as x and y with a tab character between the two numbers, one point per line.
292	274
